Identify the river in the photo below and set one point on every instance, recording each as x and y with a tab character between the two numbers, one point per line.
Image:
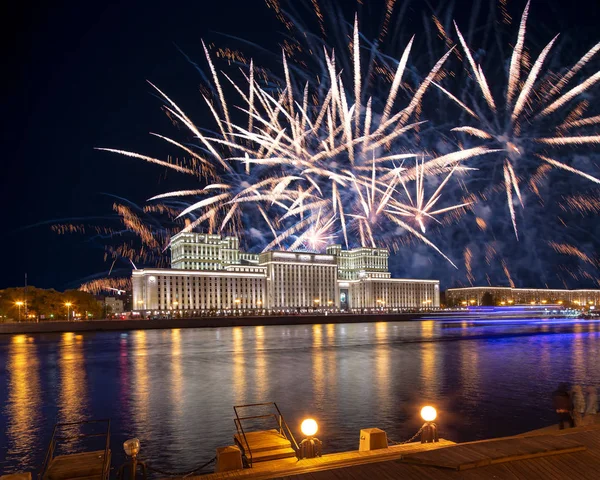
175	389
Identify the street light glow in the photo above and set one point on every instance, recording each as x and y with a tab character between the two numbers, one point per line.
428	413
309	427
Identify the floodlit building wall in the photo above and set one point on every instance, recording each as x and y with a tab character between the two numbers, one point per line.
211	273
522	296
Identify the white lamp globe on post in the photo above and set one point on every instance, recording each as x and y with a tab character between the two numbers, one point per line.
310	447
429	433
132	448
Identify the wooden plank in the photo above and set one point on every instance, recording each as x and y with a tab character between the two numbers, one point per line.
78	465
474	455
263	440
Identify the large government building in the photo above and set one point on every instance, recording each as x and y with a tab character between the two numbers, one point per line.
210	273
521	296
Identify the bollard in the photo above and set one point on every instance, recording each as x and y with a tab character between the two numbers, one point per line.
228	458
372	439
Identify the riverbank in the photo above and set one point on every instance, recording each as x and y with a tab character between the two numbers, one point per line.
211	322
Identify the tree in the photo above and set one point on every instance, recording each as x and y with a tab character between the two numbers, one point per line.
487	299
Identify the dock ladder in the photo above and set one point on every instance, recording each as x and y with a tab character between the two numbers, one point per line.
66	459
263	445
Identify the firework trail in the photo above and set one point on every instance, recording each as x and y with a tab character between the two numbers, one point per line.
539	111
348	140
314	159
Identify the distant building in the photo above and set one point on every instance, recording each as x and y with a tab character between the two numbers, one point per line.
521	296
114	305
209	272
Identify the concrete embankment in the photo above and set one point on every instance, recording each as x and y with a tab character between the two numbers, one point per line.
209	322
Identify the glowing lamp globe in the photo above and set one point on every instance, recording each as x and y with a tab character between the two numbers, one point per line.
131	447
428	414
309	427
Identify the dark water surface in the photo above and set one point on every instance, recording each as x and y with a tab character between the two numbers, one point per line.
174	389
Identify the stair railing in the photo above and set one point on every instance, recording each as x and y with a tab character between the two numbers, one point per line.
282	426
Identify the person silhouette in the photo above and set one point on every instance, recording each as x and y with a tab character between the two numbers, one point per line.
563	405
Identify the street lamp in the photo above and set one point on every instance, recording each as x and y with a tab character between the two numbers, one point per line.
132	448
310	447
68	305
429	429
317	302
19	304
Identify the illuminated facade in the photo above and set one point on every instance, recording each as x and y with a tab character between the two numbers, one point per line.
210	273
521	296
200	251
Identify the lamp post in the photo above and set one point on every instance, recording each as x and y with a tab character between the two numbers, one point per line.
68	305
429	433
19	304
132	448
310	447
237	305
317	302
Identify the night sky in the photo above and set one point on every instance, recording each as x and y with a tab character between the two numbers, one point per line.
75	78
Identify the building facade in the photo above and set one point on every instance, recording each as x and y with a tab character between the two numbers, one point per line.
210	273
114	305
521	296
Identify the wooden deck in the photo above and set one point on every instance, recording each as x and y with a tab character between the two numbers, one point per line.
293	466
554	454
480	454
80	466
581	464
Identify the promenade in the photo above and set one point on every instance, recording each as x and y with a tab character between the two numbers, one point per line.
207	322
546	453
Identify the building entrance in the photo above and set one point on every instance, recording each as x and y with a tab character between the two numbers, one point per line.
344	300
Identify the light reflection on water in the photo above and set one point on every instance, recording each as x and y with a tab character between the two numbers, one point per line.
175	389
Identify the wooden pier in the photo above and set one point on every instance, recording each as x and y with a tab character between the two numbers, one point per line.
548	453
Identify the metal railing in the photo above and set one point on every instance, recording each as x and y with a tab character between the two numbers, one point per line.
277	417
58	436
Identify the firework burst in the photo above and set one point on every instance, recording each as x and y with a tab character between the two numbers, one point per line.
539	111
318	161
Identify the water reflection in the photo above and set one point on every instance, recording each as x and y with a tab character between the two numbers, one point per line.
140	382
24	397
382	360
318	376
260	371
239	366
177	380
429	373
73	379
579	355
469	370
